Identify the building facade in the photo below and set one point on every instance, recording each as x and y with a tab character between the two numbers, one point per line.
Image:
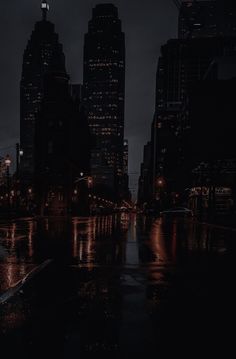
206	32
104	97
43	55
183	63
211	161
145	179
197	19
55	139
208	18
61	148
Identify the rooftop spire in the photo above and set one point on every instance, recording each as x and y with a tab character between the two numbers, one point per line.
45	9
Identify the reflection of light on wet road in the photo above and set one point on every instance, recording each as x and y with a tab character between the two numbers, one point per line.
80	251
132	249
125	280
30	237
158	244
13	232
17	239
90	240
88	234
47	224
9	275
75	240
118	240
13	273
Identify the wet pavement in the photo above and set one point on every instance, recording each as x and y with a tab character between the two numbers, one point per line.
117	287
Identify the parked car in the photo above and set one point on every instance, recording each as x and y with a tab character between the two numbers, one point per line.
177	212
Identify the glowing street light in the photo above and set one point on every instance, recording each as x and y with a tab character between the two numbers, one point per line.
7	161
8	164
90	182
160	182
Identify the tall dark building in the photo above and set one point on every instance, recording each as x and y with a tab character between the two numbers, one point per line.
54	130
126	156
182	64
197	19
206	32
207	18
61	148
126	194
145	179
43	55
211	161
104	97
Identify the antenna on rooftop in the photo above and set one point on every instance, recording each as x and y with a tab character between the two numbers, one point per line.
45	9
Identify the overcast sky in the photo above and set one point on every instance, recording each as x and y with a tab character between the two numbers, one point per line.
147	25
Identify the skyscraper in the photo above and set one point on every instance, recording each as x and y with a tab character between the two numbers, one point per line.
206	32
104	97
54	130
61	148
207	18
145	179
197	19
182	64
43	55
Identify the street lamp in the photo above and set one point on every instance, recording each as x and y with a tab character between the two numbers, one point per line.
160	182
90	182
86	183
7	161
8	164
160	186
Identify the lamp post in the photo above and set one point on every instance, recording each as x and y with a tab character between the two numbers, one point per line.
160	185
8	164
90	182
160	182
19	155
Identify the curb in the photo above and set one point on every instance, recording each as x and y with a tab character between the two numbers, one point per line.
19	285
217	226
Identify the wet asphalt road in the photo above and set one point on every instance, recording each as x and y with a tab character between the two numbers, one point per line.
118	287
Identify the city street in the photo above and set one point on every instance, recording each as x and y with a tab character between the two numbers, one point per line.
116	286
118	179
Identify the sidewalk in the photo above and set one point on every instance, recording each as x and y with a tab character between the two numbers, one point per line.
228	222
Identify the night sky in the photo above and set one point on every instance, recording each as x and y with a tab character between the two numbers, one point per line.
147	25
